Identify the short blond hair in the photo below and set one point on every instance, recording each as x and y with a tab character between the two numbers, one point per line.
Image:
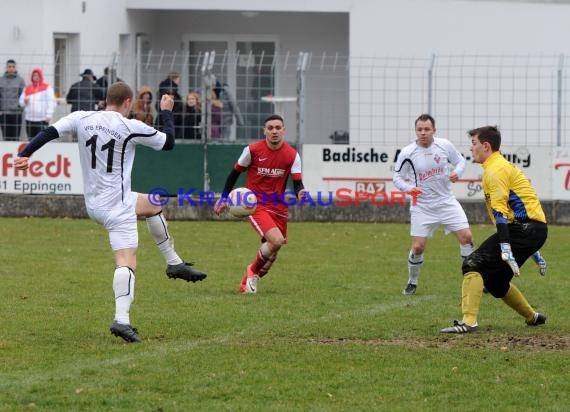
118	93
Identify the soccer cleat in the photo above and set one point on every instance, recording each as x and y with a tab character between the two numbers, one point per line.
410	289
184	271
127	332
460	327
242	284
537	319
249	282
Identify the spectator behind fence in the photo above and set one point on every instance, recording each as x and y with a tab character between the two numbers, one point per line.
11	86
170	86
229	110
191	117
217	106
85	94
38	101
142	107
109	77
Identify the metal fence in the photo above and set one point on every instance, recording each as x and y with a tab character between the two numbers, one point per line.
525	95
329	98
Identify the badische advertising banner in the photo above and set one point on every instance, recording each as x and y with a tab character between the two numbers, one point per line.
347	169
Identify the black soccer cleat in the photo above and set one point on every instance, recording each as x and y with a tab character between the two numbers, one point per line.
410	289
460	327
537	319
127	332
185	271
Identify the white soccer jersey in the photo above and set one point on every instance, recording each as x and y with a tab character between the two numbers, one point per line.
107	142
428	169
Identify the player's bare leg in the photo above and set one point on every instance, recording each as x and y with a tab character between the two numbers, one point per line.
465	239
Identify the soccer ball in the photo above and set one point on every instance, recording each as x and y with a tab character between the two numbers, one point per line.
242	202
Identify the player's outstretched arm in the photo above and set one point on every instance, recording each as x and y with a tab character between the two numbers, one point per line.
508	257
540	262
453	177
167	121
231	180
21	163
299	188
166	102
220	207
37	142
505	244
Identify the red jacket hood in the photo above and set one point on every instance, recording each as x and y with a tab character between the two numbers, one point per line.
40	86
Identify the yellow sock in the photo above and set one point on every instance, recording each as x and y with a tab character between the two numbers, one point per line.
472	290
516	300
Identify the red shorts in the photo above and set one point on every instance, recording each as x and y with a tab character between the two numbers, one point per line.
263	219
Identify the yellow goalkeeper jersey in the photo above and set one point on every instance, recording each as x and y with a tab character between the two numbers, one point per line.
508	193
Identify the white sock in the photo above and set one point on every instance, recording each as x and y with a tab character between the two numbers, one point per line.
158	228
124	288
465	250
414	265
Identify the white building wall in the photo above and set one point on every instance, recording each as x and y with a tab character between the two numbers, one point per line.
418	27
37	20
296	31
245	5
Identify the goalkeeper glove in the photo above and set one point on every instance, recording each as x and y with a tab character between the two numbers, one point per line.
540	262
507	256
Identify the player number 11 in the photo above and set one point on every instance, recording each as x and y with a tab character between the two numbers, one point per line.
110	146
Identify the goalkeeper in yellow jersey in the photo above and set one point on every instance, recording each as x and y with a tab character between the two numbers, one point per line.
521	226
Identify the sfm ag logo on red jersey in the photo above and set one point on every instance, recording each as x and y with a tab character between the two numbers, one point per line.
60	166
269	172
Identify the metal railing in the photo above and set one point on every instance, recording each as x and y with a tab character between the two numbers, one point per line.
370	100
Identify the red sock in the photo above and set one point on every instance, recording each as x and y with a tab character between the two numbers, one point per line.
258	263
263	271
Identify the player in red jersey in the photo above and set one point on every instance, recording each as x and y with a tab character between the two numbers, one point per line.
268	164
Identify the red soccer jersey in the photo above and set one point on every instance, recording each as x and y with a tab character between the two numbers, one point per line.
268	171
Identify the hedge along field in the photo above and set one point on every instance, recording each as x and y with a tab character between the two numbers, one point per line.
328	330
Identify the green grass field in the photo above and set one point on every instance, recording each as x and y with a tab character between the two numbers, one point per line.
327	331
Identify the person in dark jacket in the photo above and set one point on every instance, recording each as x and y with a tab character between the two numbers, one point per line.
170	86
85	94
11	87
109	77
230	109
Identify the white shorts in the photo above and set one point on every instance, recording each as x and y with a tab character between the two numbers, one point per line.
425	221
120	222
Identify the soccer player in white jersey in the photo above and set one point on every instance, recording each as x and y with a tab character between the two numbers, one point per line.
424	167
107	141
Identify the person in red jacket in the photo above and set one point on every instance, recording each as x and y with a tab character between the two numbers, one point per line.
38	101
